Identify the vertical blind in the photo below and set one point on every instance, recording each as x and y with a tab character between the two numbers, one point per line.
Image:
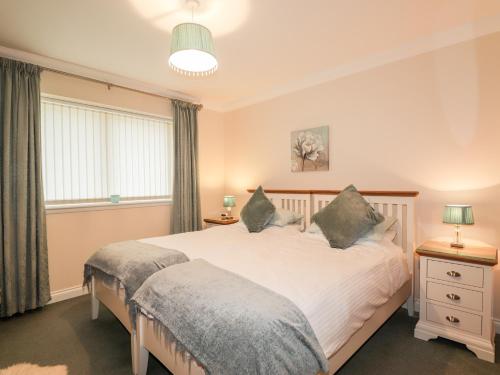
91	152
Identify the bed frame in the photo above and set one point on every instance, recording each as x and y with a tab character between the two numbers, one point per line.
401	204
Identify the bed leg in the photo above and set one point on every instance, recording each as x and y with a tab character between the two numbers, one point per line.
94	302
410	306
133	350
142	358
141	353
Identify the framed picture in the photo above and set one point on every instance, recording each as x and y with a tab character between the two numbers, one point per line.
310	149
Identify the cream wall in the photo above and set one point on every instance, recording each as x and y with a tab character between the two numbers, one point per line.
74	236
430	123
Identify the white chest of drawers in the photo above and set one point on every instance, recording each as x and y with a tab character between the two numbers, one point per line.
456	293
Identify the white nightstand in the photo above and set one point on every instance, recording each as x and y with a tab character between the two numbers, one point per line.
456	296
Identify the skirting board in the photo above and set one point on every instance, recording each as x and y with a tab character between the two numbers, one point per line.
417	304
64	294
497	325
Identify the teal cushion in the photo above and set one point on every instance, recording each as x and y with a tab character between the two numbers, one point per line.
347	218
258	211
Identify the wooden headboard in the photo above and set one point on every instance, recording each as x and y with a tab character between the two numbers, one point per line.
378	193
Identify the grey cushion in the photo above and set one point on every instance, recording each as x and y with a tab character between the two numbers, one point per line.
347	218
258	211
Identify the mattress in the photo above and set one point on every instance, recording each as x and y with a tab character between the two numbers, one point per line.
337	290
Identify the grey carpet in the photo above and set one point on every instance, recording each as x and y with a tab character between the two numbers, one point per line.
63	333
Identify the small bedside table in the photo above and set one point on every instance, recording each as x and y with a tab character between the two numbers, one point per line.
456	295
219	221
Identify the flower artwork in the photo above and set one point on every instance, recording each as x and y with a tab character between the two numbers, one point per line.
310	150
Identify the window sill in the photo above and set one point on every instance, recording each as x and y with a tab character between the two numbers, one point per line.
100	206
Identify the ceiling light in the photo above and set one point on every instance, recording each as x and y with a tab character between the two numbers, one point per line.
192	49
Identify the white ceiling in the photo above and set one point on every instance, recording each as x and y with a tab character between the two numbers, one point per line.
264	47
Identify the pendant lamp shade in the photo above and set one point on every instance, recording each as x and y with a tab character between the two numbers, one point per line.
192	50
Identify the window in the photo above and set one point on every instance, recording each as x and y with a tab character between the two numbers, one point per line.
91	152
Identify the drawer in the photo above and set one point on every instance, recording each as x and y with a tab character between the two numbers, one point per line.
452	295
463	321
457	273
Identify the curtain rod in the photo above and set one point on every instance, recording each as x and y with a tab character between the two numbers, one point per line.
108	84
45	63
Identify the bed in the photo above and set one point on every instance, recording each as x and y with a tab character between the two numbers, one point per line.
218	240
387	281
112	294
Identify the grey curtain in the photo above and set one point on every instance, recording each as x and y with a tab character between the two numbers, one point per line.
24	279
186	212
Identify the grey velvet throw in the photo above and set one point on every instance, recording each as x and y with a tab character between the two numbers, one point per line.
24	275
229	324
130	263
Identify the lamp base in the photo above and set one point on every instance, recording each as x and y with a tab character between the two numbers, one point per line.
227	215
458	238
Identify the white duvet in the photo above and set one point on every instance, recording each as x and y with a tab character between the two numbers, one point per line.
337	290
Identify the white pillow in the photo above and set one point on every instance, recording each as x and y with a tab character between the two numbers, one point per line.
284	217
390	235
378	231
314	228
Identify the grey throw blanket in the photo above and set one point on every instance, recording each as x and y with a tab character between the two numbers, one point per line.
130	263
229	324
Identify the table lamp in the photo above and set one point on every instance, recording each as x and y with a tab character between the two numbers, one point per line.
229	201
458	214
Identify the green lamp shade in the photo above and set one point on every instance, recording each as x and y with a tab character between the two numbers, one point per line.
192	50
458	214
229	201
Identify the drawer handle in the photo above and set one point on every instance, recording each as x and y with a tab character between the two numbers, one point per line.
453	297
453	273
452	319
